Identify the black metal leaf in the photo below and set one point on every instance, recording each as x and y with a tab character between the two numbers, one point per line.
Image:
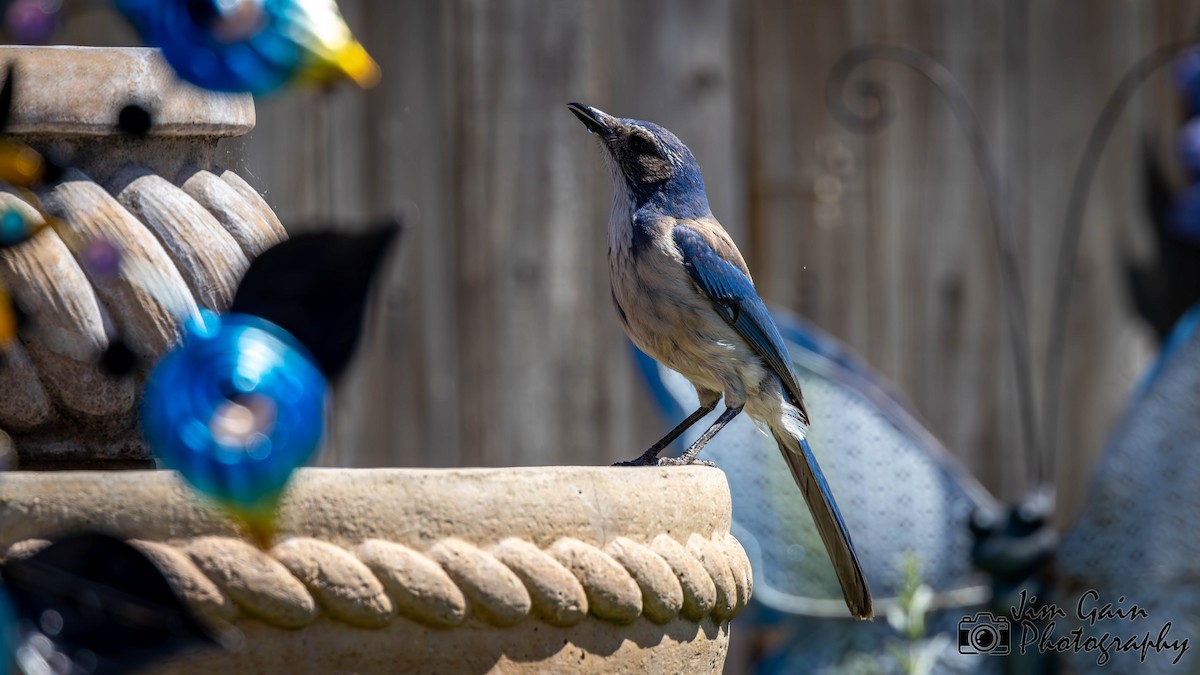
315	287
6	97
91	603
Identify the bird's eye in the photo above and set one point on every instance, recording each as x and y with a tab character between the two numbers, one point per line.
642	145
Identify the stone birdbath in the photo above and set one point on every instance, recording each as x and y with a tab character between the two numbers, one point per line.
557	569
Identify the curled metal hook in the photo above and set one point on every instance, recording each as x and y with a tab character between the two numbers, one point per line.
1073	224
876	108
877	114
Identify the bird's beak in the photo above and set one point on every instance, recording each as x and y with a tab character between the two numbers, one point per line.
597	121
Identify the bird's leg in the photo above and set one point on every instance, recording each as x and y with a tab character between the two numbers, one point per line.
651	456
689	455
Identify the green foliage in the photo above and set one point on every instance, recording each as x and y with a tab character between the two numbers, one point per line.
913	653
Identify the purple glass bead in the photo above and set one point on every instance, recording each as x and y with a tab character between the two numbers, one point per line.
32	22
102	258
1185	215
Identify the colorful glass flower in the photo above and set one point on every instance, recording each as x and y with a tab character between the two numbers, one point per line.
238	405
252	45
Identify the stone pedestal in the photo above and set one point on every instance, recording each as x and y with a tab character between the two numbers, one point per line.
558	570
186	227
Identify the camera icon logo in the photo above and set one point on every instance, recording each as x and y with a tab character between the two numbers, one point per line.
985	633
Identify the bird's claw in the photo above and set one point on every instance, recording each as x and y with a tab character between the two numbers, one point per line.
637	462
665	461
647	458
679	461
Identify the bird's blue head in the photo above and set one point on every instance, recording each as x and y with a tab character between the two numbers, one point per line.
653	166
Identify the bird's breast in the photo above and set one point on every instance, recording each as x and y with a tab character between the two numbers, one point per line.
667	317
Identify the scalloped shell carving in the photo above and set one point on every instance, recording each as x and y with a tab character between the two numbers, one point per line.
557	596
186	227
197	590
662	596
419	587
699	589
611	591
495	592
717	567
259	584
184	246
341	584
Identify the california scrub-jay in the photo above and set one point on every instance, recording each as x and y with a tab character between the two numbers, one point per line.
685	297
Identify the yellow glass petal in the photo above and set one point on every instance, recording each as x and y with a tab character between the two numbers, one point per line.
20	164
8	321
357	64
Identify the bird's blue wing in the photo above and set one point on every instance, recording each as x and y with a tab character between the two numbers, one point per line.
733	295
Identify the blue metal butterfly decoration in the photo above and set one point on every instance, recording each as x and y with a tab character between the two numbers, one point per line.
911	504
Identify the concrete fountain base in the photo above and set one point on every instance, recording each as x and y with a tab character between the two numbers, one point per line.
560	569
372	571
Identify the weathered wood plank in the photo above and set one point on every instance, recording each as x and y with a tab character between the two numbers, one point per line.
491	337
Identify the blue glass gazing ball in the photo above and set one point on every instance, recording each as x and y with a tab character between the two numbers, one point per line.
13	228
235	408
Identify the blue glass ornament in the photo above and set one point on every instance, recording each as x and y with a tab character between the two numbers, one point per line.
252	45
1188	145
235	408
32	22
1187	76
15	228
1185	214
8	627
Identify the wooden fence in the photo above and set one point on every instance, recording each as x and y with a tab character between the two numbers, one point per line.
492	339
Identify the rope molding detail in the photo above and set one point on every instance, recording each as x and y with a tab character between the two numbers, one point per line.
181	246
301	578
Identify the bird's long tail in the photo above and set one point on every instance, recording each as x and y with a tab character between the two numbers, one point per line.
828	519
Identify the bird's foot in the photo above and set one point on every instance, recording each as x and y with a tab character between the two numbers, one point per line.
680	461
665	461
640	461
